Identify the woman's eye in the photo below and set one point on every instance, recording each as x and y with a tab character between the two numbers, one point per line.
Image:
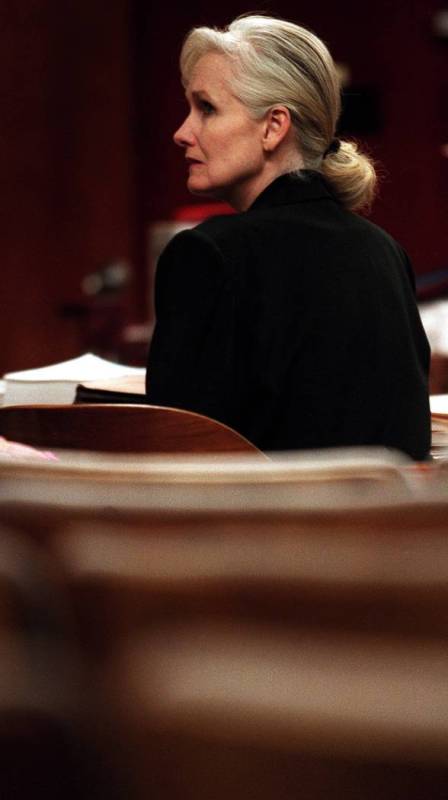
206	107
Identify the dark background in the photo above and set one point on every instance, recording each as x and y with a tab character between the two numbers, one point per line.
90	97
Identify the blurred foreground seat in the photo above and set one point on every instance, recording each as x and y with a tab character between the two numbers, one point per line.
43	750
47	746
156	491
263	629
268	663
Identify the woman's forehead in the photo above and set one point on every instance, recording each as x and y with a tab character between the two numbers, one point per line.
212	72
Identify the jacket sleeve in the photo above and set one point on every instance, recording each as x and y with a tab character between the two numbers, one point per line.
191	357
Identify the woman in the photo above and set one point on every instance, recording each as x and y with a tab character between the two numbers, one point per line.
294	320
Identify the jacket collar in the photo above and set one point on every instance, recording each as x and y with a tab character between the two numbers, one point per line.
293	188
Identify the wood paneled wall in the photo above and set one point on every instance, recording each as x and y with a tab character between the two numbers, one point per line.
68	199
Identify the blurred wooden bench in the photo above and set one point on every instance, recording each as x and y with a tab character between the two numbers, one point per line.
155	491
273	663
261	629
41	739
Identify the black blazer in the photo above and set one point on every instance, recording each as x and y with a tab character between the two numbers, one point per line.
295	323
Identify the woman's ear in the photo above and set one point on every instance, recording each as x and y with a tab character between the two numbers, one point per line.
277	126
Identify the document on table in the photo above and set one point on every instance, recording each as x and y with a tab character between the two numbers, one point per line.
439	404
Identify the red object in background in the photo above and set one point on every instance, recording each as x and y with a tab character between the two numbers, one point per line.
197	212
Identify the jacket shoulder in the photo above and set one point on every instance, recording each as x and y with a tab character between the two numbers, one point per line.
219	237
221	227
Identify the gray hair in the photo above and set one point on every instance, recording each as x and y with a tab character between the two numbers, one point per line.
275	61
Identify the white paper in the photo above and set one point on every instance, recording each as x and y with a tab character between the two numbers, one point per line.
434	317
439	403
57	383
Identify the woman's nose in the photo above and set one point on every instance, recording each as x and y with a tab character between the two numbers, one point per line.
184	136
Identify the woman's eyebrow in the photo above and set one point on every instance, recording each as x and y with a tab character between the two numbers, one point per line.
200	94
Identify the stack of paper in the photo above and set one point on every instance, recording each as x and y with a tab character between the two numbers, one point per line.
57	383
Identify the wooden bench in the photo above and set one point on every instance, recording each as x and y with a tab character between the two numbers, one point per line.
119	428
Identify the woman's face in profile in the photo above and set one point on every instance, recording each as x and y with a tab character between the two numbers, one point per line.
223	144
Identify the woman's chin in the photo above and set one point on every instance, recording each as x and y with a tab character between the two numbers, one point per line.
200	188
